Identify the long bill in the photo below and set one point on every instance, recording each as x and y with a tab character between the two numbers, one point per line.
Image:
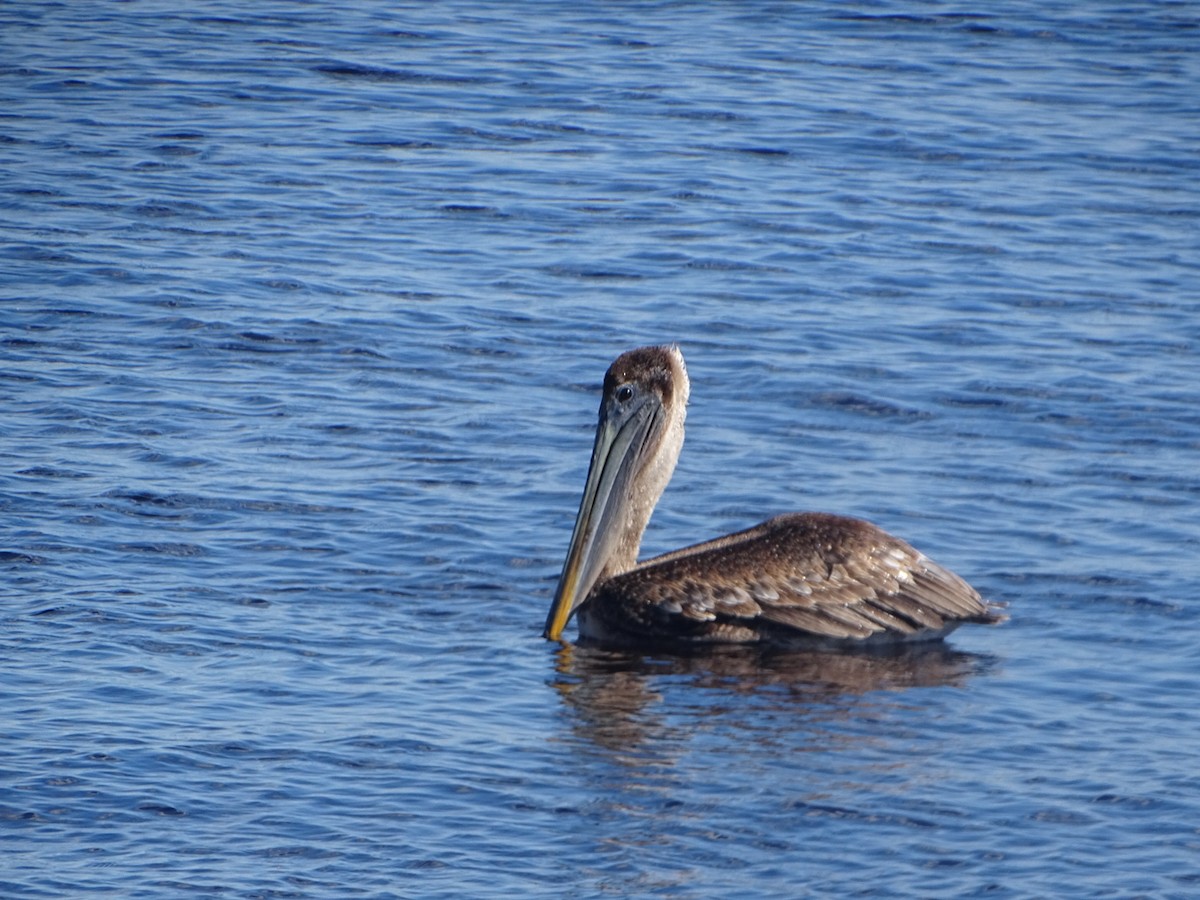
622	443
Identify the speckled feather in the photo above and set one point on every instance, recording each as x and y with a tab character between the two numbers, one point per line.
796	577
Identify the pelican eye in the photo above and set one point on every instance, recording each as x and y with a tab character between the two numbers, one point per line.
624	393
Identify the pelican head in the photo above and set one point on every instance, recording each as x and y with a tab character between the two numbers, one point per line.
638	440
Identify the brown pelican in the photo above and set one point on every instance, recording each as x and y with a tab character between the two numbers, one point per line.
799	578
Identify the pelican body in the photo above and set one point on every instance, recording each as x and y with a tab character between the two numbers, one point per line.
801	578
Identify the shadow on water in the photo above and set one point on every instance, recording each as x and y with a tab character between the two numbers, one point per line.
621	699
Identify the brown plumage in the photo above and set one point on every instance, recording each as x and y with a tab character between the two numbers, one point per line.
800	578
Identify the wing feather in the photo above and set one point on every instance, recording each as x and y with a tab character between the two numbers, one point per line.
808	575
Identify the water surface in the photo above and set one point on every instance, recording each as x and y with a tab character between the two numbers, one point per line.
303	315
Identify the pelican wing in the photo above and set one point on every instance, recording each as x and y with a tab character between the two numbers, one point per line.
800	576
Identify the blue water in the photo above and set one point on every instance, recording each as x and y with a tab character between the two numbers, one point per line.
303	313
